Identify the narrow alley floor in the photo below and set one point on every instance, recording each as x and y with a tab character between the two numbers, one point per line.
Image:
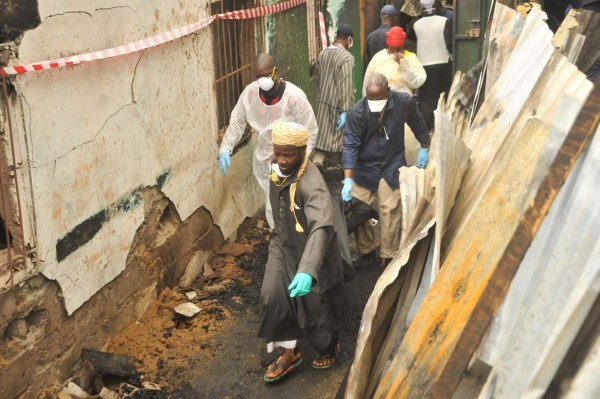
216	354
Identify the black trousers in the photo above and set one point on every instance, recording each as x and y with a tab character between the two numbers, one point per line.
439	79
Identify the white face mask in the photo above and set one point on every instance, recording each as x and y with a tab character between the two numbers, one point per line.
376	105
277	170
266	83
350	42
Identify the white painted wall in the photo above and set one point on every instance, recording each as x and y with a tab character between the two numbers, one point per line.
99	131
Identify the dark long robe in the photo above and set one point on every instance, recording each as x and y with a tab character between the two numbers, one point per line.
317	315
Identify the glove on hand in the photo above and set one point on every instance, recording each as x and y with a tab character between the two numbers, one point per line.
342	120
347	190
300	285
224	161
423	158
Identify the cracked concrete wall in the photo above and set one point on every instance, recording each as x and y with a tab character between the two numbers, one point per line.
98	133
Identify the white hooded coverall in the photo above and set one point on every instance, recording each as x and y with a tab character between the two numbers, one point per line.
293	107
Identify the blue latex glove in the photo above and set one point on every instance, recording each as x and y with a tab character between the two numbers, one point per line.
347	190
224	161
423	158
301	284
342	120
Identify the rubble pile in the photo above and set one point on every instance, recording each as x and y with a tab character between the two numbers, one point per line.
180	322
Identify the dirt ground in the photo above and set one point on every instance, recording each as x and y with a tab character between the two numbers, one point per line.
216	354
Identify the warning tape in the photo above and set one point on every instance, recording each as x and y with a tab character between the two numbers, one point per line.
323	32
260	11
149	42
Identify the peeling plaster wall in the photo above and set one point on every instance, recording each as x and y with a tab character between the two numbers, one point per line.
101	132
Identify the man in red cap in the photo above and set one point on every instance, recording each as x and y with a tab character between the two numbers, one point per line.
404	73
402	68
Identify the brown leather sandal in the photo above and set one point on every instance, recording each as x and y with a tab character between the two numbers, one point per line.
280	367
326	361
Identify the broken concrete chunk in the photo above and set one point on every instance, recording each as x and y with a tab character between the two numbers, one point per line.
127	390
106	393
233	249
75	390
187	309
150	386
17	329
260	224
191	295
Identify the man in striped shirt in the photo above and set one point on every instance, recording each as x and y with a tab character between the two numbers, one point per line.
335	96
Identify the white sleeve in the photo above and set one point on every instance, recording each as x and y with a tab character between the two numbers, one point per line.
412	71
304	115
366	78
237	125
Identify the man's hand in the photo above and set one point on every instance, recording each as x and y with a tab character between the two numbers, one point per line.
342	120
423	158
224	161
301	284
347	190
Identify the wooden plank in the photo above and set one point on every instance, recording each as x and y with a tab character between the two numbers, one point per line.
465	296
111	363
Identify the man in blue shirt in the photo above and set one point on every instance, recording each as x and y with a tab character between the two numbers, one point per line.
373	153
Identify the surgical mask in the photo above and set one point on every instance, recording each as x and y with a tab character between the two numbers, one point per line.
377	105
265	83
277	170
350	42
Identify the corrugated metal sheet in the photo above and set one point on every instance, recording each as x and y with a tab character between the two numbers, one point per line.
520	156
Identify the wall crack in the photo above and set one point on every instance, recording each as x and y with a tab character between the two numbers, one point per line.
51	180
68	12
87	141
113	8
134	75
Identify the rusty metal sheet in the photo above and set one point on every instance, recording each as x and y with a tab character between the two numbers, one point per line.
547	302
515	98
477	272
504	30
378	312
450	162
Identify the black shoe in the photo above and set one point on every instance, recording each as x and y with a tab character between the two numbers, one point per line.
370	257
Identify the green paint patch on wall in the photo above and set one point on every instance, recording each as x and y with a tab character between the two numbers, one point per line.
86	230
288	43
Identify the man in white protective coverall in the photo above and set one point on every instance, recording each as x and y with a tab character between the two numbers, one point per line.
263	103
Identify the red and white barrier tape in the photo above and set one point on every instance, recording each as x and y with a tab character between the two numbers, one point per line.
149	42
323	32
260	11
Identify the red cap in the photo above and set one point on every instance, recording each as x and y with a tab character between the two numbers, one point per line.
396	37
